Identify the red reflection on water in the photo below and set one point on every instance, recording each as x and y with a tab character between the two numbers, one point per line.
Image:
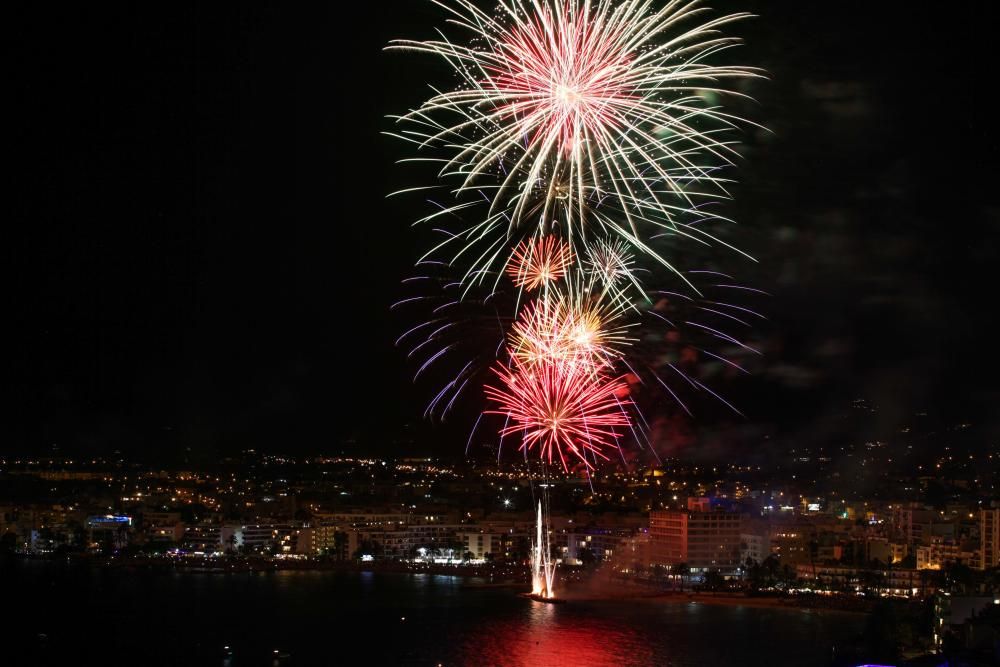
556	636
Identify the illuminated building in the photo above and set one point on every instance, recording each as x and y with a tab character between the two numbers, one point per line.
668	537
791	542
705	539
754	546
601	542
403	541
277	537
920	526
960	615
210	538
895	581
110	529
989	539
939	553
361	518
481	543
162	526
325	540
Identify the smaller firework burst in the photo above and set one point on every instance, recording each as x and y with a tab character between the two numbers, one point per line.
567	331
538	263
566	410
612	262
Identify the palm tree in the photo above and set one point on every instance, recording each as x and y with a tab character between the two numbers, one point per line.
770	566
752	573
788	574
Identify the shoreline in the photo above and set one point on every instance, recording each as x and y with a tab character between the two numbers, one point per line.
758	603
785	604
493	578
629	592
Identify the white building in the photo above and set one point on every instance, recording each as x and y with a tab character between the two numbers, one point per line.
757	547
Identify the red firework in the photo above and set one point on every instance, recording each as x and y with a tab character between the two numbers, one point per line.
539	262
567	75
564	409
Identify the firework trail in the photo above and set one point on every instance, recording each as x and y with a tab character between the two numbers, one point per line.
451	341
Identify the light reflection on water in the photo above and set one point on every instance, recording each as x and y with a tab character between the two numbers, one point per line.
653	632
547	635
324	618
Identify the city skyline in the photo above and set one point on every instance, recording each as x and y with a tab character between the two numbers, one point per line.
503	332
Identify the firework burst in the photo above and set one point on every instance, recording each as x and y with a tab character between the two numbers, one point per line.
568	330
452	341
592	115
611	262
539	263
562	409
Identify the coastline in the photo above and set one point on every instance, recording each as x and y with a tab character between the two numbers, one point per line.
489	576
807	603
790	604
494	575
859	607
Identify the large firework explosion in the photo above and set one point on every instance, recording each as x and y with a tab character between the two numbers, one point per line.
577	136
585	118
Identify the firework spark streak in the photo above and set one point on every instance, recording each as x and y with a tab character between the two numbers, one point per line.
536	264
560	408
576	114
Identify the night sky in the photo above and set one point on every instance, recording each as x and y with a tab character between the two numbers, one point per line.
203	256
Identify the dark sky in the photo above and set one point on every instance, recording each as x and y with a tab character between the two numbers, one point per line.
202	255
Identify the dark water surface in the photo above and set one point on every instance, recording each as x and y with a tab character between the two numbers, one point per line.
117	617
